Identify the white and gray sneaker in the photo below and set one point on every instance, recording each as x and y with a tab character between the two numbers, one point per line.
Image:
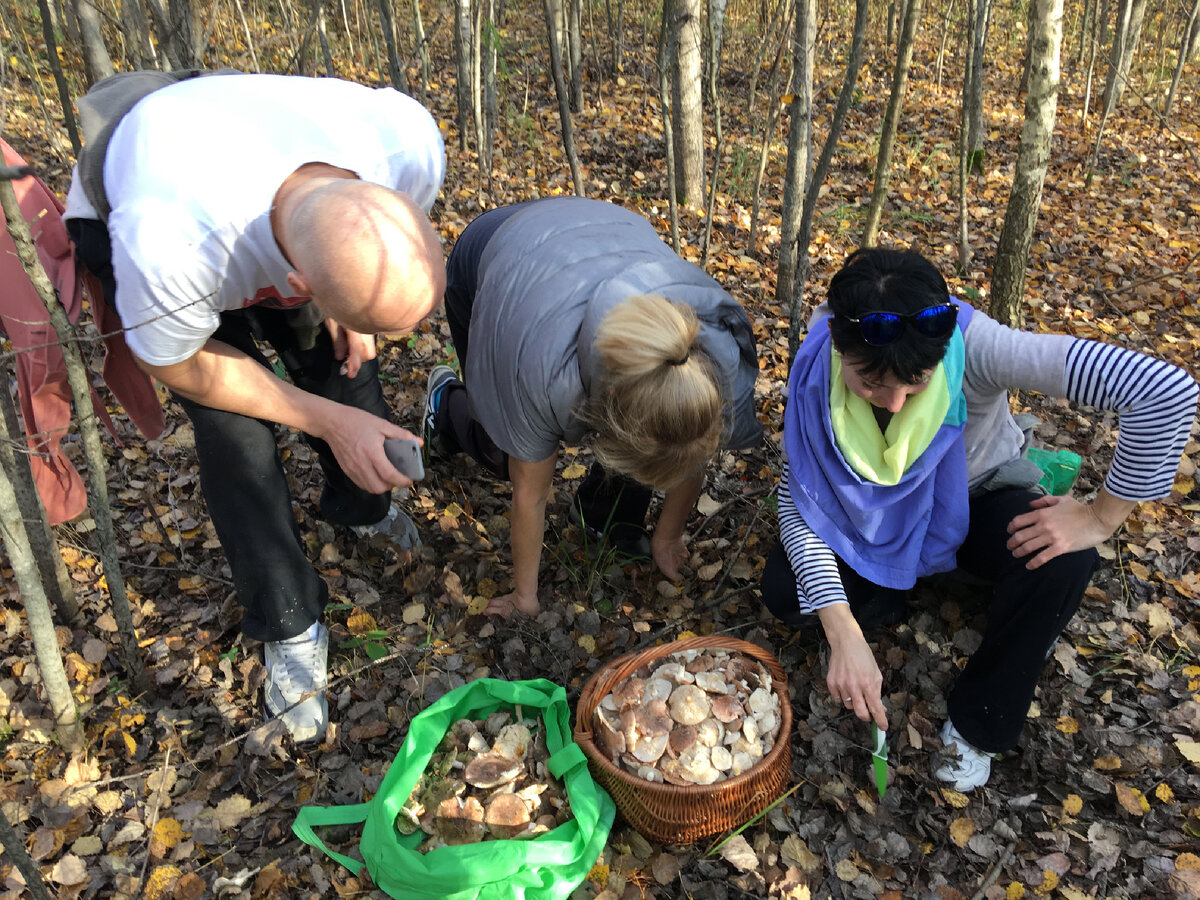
297	674
964	766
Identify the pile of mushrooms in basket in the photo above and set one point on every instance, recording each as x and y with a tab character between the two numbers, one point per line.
693	717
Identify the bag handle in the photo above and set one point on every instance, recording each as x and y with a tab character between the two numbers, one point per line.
312	816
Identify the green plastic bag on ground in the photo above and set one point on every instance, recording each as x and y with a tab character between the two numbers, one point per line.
547	867
1061	468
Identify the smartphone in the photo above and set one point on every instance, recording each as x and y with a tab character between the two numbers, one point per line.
405	455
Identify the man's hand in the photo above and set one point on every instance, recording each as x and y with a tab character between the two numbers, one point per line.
669	553
351	347
356	438
1058	525
854	679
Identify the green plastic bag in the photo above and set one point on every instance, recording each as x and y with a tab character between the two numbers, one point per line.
547	867
1061	468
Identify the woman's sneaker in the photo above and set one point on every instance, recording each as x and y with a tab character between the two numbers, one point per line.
297	674
435	388
964	767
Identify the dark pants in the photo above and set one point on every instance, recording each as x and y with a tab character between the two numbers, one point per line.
240	471
1028	611
604	499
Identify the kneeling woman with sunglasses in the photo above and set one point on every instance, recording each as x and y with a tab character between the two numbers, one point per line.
902	460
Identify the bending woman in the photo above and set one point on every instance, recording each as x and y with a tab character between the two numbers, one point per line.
903	459
571	318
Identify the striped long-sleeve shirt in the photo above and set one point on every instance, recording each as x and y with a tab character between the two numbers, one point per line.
1155	402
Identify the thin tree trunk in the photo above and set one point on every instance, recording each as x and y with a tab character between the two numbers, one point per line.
715	33
845	96
687	101
14	847
781	9
77	377
180	12
488	87
136	27
945	39
891	122
575	52
665	40
763	152
64	91
981	12
462	67
795	179
97	64
422	48
388	26
1184	48
964	148
346	28
1091	68
250	41
1033	158
55	580
560	90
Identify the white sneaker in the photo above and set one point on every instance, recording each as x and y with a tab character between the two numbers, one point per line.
396	527
966	767
296	671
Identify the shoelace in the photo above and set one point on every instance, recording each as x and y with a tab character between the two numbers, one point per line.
301	662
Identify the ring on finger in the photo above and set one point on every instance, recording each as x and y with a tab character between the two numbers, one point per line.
847	699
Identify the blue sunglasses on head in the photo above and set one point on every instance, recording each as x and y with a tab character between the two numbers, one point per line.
882	328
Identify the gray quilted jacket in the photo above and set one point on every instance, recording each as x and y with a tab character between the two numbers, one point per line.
547	278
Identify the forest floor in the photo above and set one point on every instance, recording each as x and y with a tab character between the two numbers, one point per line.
185	793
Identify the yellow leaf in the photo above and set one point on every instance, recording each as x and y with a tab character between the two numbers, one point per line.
1107	763
588	643
1187	861
846	870
476	605
575	470
487	588
955	798
1164	793
1190	751
161	882
1014	891
961	831
130	744
1073	804
1067	725
166	834
1131	799
359	622
686	634
1139	570
1049	882
1191	671
454	510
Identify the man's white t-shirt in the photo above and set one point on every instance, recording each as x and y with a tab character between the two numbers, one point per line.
191	172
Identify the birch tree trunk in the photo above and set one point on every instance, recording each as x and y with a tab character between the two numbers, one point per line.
1033	158
845	96
980	13
666	39
687	102
560	90
462	67
1185	39
575	52
388	25
795	179
1125	41
891	122
422	48
97	64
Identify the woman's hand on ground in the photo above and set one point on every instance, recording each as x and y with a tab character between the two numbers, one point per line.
510	603
1057	525
669	553
853	679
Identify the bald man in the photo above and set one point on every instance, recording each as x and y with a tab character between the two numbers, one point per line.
266	209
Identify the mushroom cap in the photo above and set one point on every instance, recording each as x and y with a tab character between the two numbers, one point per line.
672	772
689	705
709	732
760	701
742	762
722	759
478	743
713	682
506	816
490	770
459	821
682	737
702	663
726	708
675	672
513	741
658	689
629	691
497	721
649	748
609	736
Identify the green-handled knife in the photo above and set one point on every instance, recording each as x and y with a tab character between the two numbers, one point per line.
879	758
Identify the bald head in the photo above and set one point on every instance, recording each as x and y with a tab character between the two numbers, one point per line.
365	253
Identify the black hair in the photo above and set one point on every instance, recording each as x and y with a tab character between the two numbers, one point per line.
878	279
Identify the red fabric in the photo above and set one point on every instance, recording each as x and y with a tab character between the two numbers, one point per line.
45	395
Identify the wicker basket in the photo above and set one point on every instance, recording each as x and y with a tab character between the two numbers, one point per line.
674	814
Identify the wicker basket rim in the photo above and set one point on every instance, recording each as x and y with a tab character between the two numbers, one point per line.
622	666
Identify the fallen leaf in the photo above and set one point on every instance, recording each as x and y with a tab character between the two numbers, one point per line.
414	613
1067	725
955	798
795	852
1187	861
1131	799
961	830
69	870
574	471
738	852
846	870
231	811
1190	750
1073	804
665	868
